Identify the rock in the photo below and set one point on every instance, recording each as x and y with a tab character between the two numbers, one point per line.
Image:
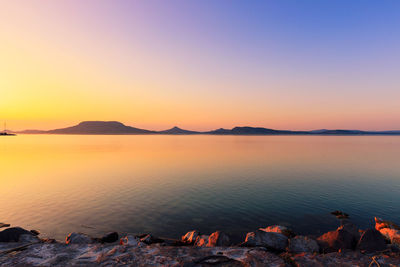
394	248
35	232
49	240
301	244
78	238
218	239
371	241
57	254
109	238
129	240
340	214
279	229
217	260
149	239
337	240
389	230
13	234
4	225
344	259
379	224
201	241
351	228
190	237
270	240
28	238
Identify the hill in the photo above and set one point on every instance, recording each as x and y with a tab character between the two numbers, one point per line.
115	127
100	127
177	130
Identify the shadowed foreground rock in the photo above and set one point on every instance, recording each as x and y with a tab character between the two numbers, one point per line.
301	244
138	255
264	247
371	241
270	240
345	259
14	234
78	238
337	240
109	238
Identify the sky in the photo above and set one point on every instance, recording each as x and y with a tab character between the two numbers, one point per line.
201	65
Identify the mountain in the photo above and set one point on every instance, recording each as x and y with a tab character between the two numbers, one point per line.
353	132
177	130
252	131
221	131
115	127
339	132
100	127
390	132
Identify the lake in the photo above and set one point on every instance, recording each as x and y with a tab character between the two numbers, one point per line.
168	185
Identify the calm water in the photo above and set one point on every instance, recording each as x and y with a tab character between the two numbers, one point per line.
168	185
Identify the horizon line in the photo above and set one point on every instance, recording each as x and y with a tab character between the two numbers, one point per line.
214	129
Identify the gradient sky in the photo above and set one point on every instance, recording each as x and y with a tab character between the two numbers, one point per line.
201	64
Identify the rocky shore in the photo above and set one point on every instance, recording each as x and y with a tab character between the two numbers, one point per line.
271	246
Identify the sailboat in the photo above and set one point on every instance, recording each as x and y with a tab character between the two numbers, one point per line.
5	133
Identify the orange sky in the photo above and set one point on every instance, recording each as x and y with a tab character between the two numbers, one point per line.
197	66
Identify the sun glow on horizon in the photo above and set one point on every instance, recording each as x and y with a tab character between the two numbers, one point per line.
200	65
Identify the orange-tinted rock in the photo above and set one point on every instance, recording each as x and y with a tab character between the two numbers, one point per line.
389	230
190	237
278	229
218	239
337	240
380	224
201	241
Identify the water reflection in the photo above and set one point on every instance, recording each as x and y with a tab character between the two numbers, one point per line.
170	184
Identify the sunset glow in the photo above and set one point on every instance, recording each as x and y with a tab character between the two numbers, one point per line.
201	66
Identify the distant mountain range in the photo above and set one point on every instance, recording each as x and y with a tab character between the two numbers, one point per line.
118	128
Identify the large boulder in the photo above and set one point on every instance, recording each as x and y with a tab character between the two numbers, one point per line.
337	240
389	230
13	234
190	237
270	240
278	229
371	241
300	244
78	238
218	239
351	228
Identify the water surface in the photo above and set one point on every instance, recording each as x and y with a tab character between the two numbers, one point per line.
168	185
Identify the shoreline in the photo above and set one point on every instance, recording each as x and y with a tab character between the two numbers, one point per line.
274	245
